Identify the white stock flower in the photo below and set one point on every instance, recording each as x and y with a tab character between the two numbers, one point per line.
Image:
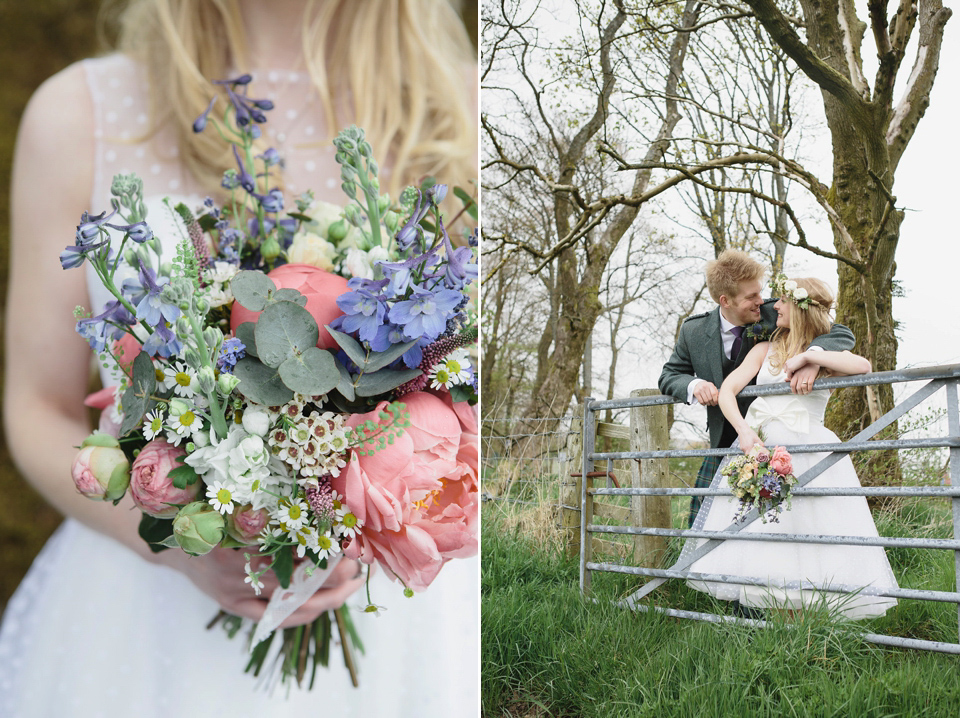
358	264
312	249
256	421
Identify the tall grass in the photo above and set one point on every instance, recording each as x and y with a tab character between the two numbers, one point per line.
548	652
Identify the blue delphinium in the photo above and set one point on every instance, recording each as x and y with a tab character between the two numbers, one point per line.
152	308
231	351
109	325
426	313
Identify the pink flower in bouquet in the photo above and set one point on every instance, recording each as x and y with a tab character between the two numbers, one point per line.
416	498
101	470
781	461
319	287
150	483
246	523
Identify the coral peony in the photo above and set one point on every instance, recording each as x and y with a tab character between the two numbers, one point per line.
781	461
150	484
319	287
417	497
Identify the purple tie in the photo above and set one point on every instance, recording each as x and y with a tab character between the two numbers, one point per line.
737	342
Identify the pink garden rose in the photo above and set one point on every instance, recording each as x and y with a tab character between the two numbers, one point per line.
781	461
319	287
101	470
150	484
416	498
245	523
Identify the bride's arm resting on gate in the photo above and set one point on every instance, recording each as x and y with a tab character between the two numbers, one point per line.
48	365
842	363
733	385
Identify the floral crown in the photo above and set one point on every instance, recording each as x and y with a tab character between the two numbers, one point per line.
783	287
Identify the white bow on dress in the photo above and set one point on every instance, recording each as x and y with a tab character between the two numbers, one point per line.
790	411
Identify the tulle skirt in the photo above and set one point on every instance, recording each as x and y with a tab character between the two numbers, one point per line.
865	567
95	631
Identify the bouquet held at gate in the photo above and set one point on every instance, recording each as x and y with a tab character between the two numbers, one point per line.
293	384
761	480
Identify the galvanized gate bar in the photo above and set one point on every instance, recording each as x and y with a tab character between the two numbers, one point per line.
843	447
953	426
914	491
948	544
910	593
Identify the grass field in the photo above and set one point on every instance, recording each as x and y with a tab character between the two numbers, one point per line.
548	652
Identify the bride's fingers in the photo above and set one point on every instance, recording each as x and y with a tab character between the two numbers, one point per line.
325	599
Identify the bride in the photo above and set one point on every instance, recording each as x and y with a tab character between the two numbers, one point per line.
802	314
101	626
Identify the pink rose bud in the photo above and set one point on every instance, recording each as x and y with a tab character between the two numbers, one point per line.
101	470
150	483
319	287
246	523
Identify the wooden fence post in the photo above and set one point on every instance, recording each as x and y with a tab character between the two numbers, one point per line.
571	488
649	432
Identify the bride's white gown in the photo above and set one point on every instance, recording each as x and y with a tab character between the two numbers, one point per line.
94	631
795	419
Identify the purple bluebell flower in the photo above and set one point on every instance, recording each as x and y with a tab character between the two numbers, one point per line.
152	308
231	180
437	193
106	326
139	232
426	313
245	108
272	201
411	232
73	257
200	123
244	178
364	313
163	342
90	226
271	157
231	351
459	270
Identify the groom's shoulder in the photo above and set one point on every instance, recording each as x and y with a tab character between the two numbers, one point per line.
693	319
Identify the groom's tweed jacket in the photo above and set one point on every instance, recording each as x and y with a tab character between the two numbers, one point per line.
699	353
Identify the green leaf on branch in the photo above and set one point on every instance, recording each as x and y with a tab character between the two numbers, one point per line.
383	381
378	360
288	295
252	289
283	330
310	373
183	476
261	384
349	345
345	386
283	566
245	333
469	203
155	531
136	399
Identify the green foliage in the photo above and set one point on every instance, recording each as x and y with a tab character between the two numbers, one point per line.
547	651
137	399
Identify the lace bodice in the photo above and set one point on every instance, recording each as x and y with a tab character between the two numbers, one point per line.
789	408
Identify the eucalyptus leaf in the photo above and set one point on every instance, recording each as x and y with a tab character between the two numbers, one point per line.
345	386
136	399
289	295
378	360
245	333
252	289
383	381
261	384
283	330
311	373
349	345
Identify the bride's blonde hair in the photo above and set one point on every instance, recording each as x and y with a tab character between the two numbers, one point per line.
805	324
402	64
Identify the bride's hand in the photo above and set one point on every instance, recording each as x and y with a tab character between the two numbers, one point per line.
748	439
220	574
794	363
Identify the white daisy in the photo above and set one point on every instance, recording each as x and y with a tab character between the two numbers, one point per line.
186	424
292	514
153	424
182	379
220	497
349	525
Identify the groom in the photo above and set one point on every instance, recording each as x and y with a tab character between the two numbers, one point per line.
713	344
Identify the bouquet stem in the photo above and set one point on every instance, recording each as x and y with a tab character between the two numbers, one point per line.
345	644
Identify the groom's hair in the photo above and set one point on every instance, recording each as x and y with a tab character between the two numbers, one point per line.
731	268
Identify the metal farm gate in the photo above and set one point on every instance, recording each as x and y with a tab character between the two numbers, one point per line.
942	378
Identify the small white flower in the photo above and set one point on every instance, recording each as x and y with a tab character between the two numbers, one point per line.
186	424
789	285
182	379
349	525
220	497
800	293
256	421
153	424
326	547
292	514
253	578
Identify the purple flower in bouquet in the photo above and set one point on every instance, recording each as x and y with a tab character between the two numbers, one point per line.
106	326
364	311
73	257
408	235
163	342
426	313
152	308
459	270
231	351
244	178
272	201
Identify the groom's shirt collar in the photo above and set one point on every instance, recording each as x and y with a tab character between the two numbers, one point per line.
726	334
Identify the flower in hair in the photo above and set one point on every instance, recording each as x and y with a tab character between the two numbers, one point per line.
788	288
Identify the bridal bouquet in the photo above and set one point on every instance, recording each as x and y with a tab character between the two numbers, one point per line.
761	480
294	385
